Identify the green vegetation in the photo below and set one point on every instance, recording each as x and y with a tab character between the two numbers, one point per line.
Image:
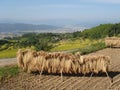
8	53
100	31
8	71
72	44
82	40
91	48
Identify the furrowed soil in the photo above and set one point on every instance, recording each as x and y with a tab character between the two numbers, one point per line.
70	82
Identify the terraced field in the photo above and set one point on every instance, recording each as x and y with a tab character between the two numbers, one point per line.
70	82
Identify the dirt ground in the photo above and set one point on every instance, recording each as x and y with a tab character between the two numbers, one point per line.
6	62
70	82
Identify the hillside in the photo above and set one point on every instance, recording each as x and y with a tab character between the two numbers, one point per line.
85	41
100	31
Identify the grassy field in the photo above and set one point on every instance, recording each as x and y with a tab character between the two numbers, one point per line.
81	45
10	53
91	48
73	44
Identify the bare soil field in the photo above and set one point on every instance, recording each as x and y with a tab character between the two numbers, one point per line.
70	82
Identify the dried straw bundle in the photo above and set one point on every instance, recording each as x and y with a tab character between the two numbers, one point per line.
95	63
112	41
58	62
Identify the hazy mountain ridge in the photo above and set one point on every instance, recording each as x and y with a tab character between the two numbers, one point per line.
21	27
8	27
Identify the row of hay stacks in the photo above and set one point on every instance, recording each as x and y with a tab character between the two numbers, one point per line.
58	62
112	41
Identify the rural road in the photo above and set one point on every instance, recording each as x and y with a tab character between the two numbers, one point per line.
6	62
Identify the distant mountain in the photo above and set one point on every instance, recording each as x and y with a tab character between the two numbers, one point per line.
21	27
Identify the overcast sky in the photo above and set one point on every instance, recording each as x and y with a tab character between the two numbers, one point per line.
61	11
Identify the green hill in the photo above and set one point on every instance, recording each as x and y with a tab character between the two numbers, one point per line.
100	31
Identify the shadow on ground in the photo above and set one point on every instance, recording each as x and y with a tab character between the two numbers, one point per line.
111	74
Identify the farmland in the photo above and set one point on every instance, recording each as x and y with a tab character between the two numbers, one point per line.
89	41
8	53
68	45
70	82
73	44
59	45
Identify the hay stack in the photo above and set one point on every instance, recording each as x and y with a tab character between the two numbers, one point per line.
112	41
58	62
95	63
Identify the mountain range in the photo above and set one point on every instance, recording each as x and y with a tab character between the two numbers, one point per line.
22	27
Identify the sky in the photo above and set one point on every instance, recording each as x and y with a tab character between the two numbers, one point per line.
61	12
